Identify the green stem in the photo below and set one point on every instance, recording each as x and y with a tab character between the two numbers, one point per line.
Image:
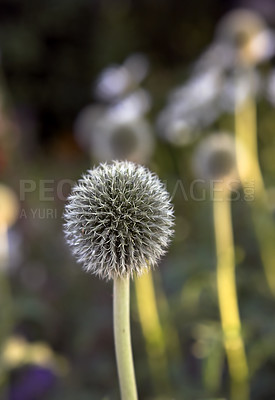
252	180
227	297
152	331
122	334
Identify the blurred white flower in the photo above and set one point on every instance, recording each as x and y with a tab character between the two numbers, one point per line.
221	79
179	132
215	158
118	131
238	87
190	108
138	67
131	107
122	140
217	56
85	123
246	33
199	90
112	82
263	45
117	80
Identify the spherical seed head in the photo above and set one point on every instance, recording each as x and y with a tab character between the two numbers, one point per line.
119	220
215	159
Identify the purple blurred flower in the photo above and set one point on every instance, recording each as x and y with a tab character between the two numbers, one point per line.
33	384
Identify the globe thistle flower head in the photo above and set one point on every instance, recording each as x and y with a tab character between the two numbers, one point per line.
118	220
215	160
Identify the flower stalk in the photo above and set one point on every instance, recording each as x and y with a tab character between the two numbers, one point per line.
246	135
152	331
118	222
227	296
123	348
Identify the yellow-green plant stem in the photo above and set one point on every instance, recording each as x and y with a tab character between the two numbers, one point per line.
152	331
252	181
212	369
227	296
171	337
122	335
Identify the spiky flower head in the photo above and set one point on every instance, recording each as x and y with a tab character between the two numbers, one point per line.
119	220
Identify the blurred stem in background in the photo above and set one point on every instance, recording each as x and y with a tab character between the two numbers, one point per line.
227	295
172	341
251	177
153	333
212	369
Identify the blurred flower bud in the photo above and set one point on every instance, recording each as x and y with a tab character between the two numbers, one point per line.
123	141
117	132
117	80
84	125
246	32
215	159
